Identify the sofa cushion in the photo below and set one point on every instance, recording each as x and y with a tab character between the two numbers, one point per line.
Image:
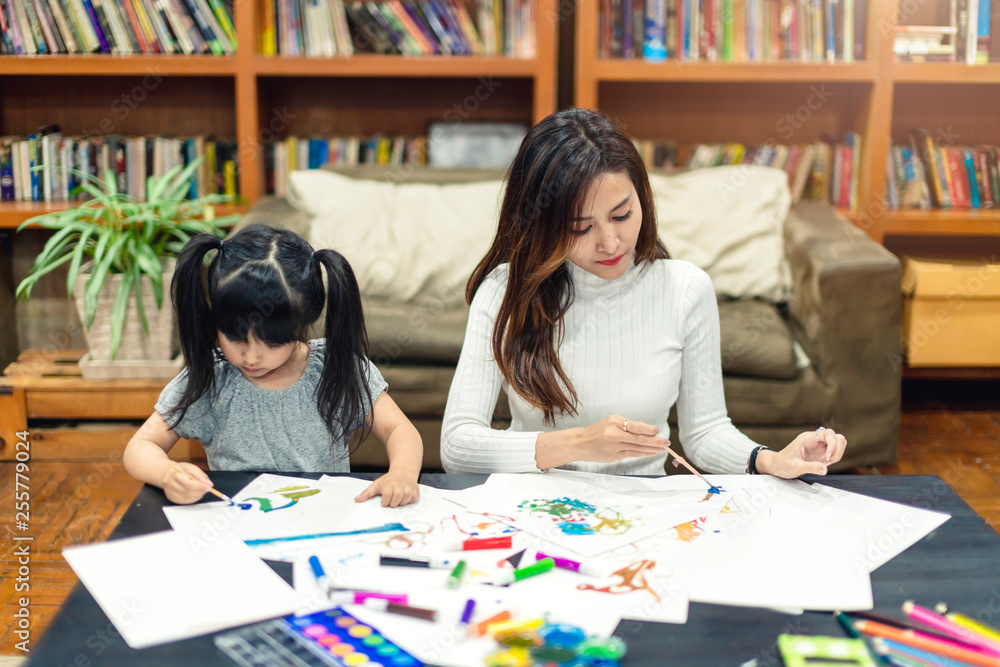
756	341
728	221
409	242
406	332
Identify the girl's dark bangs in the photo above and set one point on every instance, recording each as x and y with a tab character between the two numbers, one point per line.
247	307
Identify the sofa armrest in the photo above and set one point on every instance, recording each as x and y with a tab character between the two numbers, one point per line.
275	212
846	313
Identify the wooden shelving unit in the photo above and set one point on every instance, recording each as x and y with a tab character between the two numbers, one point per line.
257	98
698	101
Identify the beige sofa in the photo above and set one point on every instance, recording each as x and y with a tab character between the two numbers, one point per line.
809	306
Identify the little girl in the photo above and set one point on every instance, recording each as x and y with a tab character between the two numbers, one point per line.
256	392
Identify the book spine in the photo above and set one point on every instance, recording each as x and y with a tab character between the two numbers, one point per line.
95	23
6	170
654	44
970	175
63	25
981	156
86	28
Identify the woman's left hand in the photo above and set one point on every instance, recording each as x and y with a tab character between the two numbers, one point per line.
809	453
395	488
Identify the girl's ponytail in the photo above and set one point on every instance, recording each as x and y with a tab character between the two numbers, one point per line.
343	385
195	321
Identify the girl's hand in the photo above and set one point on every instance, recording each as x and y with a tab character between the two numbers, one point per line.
810	452
607	441
395	488
185	487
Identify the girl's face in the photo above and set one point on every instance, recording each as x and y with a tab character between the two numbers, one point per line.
607	230
255	359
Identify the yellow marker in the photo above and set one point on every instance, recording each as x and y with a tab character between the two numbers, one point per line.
975	626
516	625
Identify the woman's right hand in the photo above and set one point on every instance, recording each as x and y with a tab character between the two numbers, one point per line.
607	441
185	487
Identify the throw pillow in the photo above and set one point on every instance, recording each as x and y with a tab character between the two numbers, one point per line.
408	242
728	221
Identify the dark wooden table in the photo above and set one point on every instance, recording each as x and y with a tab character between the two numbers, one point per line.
958	563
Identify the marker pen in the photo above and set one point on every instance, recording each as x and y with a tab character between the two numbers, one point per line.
508	577
416	561
362	597
467	611
325	583
455	578
402	609
472	543
567	564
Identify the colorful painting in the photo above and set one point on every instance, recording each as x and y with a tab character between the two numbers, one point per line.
576	517
292	493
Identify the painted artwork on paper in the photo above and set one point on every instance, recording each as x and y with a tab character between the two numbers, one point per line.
573	516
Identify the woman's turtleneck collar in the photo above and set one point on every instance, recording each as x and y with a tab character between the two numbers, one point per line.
587	285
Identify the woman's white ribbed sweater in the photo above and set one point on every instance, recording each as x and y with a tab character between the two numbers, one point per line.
633	346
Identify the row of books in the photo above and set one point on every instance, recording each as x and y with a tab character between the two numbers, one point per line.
824	170
300	153
924	175
965	36
130	159
31	27
733	30
407	27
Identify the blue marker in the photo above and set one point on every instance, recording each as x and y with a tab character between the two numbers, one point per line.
324	581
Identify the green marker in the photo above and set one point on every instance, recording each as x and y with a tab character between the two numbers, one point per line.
455	578
544	565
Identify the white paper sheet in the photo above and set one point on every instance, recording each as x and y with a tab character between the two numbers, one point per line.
168	586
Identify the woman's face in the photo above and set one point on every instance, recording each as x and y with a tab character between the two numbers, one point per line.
607	230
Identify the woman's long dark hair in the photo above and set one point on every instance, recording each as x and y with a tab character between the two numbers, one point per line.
547	183
267	283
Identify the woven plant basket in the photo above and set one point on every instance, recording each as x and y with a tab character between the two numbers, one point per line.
152	355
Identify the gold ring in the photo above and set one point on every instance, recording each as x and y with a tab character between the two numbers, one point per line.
625	426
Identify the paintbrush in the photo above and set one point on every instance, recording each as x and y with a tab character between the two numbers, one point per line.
680	459
214	492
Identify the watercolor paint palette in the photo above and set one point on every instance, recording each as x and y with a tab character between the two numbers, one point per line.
333	637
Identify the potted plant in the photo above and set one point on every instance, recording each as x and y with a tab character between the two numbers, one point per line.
130	246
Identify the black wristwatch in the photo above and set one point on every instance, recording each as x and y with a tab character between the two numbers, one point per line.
752	461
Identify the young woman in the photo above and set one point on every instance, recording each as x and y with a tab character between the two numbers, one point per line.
256	392
579	314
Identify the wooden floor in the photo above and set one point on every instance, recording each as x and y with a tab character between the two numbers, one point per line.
947	429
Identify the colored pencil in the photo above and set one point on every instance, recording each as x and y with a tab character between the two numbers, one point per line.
854	634
912	638
919	656
942	624
907	624
975	626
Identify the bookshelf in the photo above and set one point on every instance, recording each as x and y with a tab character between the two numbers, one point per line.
881	99
257	98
